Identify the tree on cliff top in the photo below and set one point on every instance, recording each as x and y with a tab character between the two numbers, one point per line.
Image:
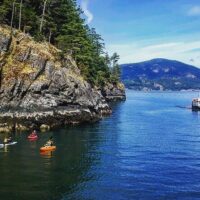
59	22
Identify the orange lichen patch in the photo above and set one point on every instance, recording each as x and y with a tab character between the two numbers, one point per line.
5	30
16	70
57	65
27	69
120	86
11	69
42	78
75	76
44	50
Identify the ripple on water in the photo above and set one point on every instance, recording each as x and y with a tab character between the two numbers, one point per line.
149	149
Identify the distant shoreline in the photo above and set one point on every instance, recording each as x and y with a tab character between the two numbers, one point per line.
160	91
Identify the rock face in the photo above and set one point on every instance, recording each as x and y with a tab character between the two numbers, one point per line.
114	92
41	87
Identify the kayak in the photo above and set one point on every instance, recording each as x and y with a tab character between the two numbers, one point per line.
10	143
1	146
48	148
32	137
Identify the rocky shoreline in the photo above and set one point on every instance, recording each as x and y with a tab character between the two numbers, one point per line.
41	89
21	121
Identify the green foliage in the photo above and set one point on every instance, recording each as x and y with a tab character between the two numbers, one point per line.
62	26
115	68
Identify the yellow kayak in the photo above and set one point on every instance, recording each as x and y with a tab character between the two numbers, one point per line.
48	148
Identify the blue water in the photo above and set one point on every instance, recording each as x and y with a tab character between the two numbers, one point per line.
149	149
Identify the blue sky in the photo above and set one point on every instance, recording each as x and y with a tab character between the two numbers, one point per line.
144	29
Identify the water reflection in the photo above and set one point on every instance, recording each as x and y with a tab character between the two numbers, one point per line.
147	145
47	154
49	175
5	149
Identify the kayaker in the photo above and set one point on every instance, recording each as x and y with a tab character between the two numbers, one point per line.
34	133
49	142
10	139
7	140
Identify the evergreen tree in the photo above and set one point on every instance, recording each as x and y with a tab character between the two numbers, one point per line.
115	68
59	22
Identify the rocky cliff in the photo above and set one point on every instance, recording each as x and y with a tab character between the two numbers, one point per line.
41	87
114	92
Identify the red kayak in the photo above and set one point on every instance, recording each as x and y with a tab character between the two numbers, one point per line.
32	137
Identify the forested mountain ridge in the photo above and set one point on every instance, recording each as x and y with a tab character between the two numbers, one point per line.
160	74
50	77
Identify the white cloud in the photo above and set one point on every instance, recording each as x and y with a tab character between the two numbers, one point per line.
88	14
161	46
194	11
182	51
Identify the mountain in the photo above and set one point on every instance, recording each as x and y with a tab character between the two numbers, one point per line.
160	74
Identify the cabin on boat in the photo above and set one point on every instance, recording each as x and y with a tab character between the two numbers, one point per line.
196	104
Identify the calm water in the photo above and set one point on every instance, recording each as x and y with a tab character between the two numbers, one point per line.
148	149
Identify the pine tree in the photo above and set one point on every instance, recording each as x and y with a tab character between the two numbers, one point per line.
115	68
59	22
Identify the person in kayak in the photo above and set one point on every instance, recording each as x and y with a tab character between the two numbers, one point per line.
10	139
7	140
49	142
33	134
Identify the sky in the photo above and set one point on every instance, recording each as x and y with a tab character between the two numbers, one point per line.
140	30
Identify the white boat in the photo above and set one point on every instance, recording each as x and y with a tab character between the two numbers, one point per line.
196	104
10	143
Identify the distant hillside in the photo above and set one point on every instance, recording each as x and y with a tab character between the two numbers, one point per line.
160	74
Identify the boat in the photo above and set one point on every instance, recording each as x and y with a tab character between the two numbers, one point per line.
10	143
1	146
32	137
48	148
196	104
